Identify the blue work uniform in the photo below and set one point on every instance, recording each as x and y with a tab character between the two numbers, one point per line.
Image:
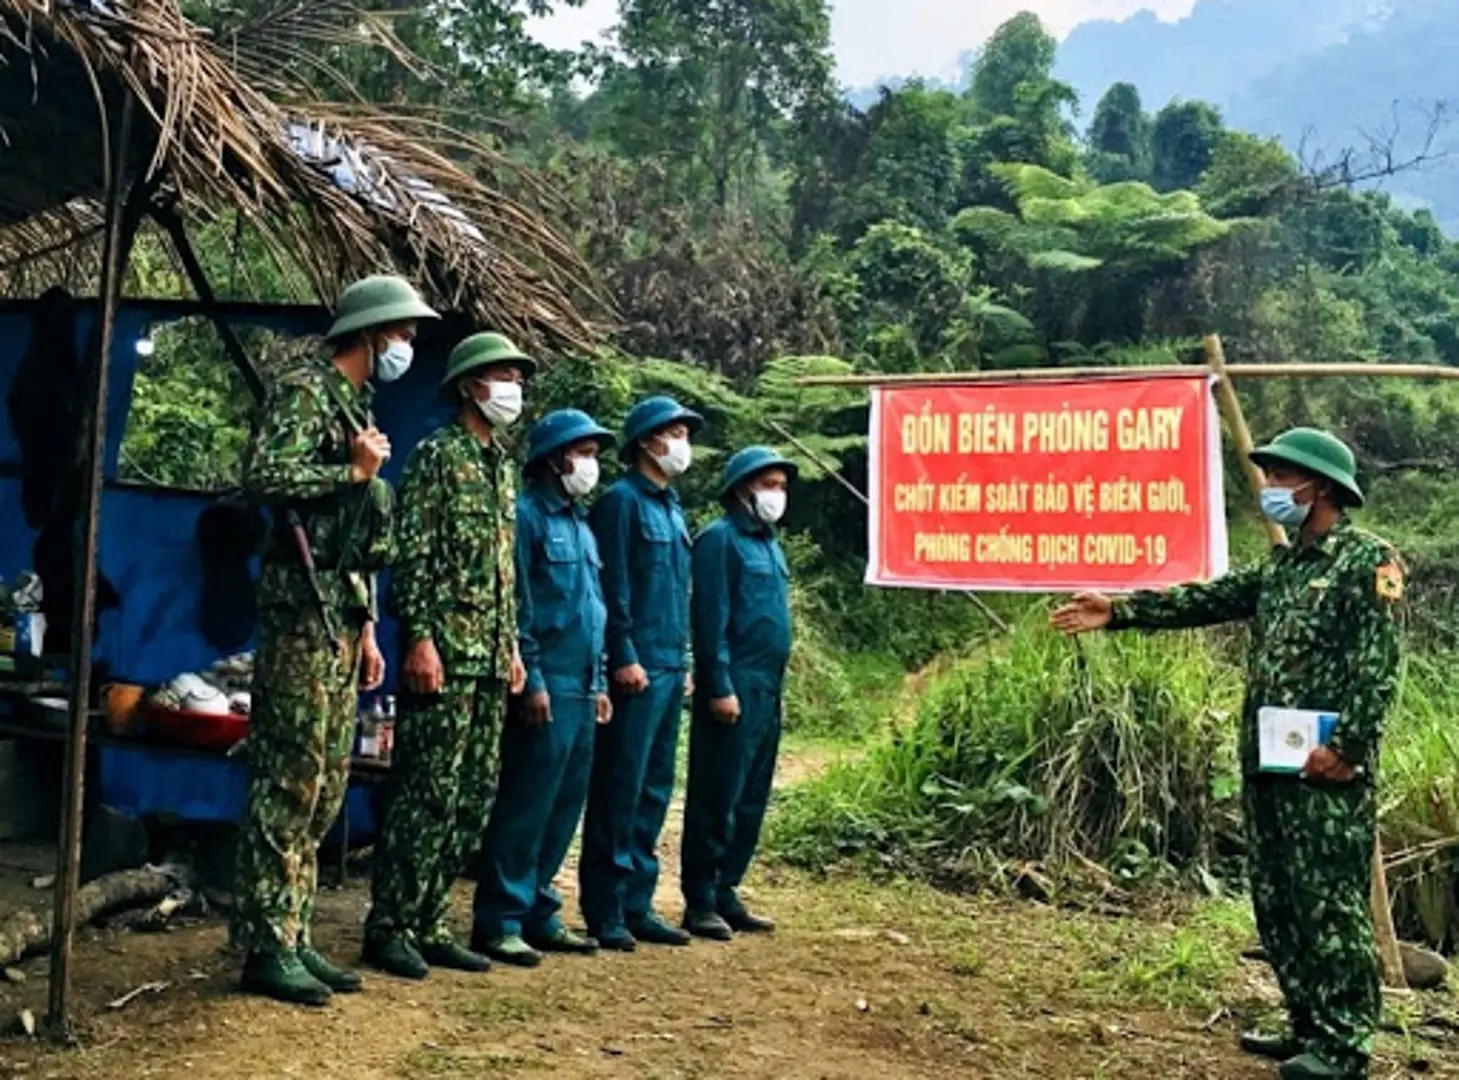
645	545
545	770
741	628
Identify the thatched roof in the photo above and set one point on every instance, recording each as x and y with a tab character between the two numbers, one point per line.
230	127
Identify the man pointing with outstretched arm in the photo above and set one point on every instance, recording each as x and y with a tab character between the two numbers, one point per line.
1324	651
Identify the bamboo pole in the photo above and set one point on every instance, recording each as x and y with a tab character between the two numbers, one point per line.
1385	933
1235	419
835	475
1248	371
120	212
172	224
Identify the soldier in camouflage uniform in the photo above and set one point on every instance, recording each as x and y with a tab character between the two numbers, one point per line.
453	589
314	458
1324	638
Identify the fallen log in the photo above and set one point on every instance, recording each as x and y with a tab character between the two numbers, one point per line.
29	930
158	919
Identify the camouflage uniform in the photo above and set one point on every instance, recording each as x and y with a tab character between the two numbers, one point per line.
305	693
454	583
1323	637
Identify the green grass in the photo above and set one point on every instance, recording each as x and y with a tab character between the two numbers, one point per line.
1043	751
1187	964
496	1009
1419	797
430	1061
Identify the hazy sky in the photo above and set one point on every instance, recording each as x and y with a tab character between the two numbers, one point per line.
878	38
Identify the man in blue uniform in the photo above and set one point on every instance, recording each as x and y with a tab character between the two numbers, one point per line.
547	748
741	622
644	542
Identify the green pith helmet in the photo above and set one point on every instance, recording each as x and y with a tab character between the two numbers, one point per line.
378	300
745	463
1316	452
484	351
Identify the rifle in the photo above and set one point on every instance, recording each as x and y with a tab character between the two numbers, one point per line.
311	574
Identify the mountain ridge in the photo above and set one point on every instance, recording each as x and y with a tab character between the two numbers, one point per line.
1321	78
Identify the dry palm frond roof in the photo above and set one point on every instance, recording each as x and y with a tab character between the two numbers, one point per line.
227	129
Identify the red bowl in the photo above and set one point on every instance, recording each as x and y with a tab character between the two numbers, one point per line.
194	729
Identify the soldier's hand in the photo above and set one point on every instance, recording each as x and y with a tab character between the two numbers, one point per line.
605	709
688	684
539	709
369	451
725	709
519	673
424	673
631	679
1325	764
372	663
1082	614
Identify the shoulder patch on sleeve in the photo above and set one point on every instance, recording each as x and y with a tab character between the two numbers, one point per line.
1388	582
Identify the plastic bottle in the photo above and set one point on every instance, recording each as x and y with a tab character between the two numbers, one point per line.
387	729
369	736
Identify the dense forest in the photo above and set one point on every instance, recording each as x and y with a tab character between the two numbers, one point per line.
745	224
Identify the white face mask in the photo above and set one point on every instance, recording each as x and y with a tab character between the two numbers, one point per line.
394	360
768	505
582	479
504	405
676	457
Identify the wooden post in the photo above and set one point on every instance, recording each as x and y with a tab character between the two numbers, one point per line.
1390	960
119	212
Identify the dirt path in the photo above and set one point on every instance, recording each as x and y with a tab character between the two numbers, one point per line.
862	981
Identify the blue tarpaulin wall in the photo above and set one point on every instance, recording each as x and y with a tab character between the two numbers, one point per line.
148	538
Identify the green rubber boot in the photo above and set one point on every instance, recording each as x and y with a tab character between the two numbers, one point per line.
454	957
512	950
1311	1067
283	977
563	940
1279	1046
395	955
336	978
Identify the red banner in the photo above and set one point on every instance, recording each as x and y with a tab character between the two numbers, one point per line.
1109	484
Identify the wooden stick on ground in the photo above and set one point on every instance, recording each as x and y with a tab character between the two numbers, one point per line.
27	930
1390	957
131	995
